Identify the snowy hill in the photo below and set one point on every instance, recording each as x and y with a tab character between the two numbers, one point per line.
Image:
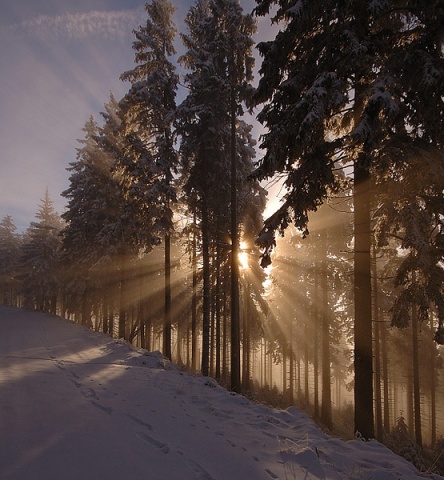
75	404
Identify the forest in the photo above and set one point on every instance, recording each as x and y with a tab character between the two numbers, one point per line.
331	299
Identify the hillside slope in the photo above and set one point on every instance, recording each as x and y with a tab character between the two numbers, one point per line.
75	404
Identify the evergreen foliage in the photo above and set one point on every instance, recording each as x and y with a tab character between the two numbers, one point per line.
401	442
214	141
9	253
149	160
339	88
39	263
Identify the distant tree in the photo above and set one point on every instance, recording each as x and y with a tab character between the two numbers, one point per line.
351	83
39	261
150	160
9	253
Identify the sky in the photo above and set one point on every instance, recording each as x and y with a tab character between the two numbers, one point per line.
76	404
59	61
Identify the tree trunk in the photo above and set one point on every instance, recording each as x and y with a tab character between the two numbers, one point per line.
235	318
292	376
316	342
194	302
284	368
433	382
385	377
326	410
378	396
167	318
363	353
246	339
122	299
377	387
306	367
206	291
416	387
225	333
218	316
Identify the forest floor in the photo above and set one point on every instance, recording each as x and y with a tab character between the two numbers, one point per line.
75	404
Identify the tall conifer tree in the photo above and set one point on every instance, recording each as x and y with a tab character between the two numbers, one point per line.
9	253
353	82
40	259
220	61
150	161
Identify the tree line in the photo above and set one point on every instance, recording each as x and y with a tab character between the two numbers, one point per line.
163	232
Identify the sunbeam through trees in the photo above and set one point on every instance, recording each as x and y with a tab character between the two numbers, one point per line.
335	302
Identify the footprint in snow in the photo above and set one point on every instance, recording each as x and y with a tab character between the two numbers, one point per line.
201	473
90	393
139	422
74	374
271	474
107	410
162	447
77	384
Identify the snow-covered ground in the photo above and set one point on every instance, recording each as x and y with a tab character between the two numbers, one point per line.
77	405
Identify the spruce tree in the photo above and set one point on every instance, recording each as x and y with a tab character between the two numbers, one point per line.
150	161
94	214
9	252
220	64
39	260
353	83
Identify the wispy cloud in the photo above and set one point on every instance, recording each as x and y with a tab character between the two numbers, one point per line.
99	24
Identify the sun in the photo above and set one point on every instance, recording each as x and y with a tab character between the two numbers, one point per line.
243	256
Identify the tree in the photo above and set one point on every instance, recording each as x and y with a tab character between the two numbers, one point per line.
149	111
40	259
9	252
340	84
94	212
220	62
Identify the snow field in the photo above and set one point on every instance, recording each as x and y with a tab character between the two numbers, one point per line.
75	404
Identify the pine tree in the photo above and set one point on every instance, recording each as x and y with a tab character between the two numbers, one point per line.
148	112
40	259
220	64
93	217
9	252
340	84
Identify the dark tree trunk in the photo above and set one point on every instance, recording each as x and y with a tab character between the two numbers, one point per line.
377	387
218	316
326	410
246	340
206	291
433	382
416	386
225	333
385	377
122	299
167	313
235	317
316	341
363	353
194	303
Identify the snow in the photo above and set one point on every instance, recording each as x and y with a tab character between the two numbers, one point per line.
76	404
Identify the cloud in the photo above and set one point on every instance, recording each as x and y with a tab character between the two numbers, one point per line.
79	26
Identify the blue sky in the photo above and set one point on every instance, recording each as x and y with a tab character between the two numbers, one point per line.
59	60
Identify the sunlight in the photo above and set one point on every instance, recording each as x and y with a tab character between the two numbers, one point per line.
243	256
